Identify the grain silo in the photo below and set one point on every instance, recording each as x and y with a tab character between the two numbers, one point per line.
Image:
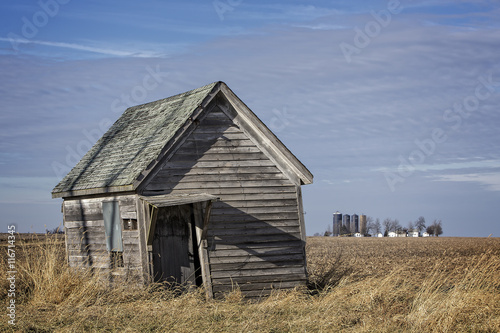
362	224
337	223
354	223
346	224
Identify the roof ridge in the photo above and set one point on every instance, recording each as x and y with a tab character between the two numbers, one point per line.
180	95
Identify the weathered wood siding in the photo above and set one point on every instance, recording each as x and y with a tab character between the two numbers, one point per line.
86	239
255	239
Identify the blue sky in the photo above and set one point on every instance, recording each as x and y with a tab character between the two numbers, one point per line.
393	106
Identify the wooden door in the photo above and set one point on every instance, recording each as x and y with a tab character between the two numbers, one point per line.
174	259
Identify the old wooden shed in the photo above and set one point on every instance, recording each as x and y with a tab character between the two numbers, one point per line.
192	189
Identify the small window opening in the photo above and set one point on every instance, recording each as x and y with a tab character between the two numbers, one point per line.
129	224
116	259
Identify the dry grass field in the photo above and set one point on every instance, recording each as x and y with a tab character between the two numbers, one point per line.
356	285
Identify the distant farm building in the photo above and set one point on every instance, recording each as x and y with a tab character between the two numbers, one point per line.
392	234
413	233
193	190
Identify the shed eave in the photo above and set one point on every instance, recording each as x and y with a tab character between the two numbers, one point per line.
93	191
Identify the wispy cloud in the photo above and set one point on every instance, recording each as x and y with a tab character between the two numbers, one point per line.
490	181
80	47
462	165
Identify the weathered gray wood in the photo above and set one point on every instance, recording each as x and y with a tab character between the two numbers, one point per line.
219	184
87	223
91	209
266	247
200	225
222	164
255	288
218	136
249	284
225	192
124	199
248	280
256	224
249	258
267	230
173	171
254	210
196	151
221	129
142	230
245	240
222	143
236	177
258	273
251	266
152	225
237	255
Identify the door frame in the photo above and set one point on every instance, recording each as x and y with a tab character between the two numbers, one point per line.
201	209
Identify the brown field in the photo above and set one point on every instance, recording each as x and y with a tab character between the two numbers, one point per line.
356	285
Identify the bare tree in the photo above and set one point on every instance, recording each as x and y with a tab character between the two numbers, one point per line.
387	225
435	228
438	228
395	226
411	227
369	225
420	224
328	231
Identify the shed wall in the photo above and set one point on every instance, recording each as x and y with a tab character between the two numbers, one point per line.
86	240
254	238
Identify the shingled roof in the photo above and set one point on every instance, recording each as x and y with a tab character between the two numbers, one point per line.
133	141
138	139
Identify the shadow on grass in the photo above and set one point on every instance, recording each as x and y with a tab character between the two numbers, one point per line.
327	273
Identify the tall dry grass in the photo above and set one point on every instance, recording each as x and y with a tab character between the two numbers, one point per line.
454	292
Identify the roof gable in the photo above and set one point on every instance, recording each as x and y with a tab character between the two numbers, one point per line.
142	137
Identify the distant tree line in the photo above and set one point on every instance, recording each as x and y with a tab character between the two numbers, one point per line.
375	227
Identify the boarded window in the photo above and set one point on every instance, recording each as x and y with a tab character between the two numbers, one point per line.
112	226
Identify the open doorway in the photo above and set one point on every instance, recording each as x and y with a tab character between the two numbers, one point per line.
174	248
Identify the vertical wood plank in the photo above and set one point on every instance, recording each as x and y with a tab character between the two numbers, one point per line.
202	248
143	250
